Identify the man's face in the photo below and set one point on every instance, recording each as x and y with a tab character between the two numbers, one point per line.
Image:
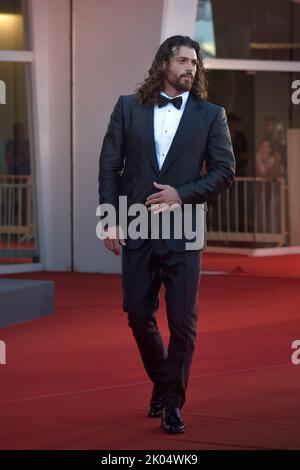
181	70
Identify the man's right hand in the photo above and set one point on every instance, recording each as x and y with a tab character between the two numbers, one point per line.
114	238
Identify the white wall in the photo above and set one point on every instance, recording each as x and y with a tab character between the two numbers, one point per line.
51	91
114	44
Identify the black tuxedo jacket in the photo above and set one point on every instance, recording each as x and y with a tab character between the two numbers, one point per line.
128	163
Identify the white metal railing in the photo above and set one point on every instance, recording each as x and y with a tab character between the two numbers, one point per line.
252	210
16	218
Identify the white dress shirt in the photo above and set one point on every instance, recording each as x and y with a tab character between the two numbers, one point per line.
166	121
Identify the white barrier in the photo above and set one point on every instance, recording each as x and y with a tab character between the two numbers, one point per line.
252	210
16	207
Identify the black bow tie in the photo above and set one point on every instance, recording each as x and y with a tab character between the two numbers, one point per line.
163	100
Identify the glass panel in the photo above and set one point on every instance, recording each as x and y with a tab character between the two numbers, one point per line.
17	215
260	112
12	35
256	29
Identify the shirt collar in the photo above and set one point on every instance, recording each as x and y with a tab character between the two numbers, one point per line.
184	96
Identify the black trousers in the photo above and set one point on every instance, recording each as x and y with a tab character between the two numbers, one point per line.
144	270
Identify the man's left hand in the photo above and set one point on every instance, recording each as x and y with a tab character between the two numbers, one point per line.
167	198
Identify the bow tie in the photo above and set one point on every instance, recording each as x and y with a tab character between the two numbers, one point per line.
163	100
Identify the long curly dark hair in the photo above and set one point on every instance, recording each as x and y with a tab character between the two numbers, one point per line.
148	91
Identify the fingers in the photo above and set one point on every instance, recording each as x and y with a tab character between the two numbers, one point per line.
160	186
113	246
163	207
114	239
153	207
156	197
157	208
116	248
153	200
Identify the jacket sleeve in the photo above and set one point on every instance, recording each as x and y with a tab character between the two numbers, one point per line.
220	164
111	159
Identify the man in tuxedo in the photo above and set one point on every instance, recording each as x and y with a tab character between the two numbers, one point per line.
153	152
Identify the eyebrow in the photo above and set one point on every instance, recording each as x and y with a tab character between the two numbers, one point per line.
181	57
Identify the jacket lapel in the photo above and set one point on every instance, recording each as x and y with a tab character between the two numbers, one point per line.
147	134
185	131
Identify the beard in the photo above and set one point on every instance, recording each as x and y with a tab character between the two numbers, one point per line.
179	83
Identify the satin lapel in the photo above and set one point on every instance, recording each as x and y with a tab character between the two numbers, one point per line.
146	129
185	131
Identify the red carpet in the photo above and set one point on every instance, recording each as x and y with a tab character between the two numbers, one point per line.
74	380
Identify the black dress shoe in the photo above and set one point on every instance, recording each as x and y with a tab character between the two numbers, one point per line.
156	402
171	420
